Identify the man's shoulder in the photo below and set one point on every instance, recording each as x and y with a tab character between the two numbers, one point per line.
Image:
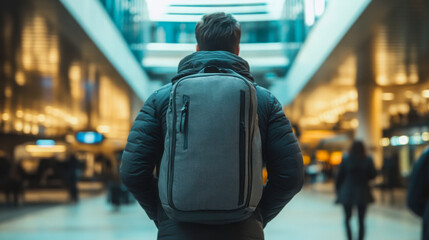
158	100
265	97
164	89
160	94
263	91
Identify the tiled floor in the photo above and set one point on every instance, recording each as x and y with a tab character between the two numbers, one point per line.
311	215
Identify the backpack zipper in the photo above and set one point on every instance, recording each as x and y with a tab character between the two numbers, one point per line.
242	147
172	148
184	120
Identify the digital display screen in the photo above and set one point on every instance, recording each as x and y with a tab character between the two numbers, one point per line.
89	137
45	142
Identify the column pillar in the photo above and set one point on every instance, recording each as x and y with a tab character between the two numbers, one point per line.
369	112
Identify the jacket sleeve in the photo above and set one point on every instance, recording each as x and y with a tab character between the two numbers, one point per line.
340	175
284	164
143	150
416	199
372	173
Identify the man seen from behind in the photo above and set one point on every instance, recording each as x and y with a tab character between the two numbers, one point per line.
218	36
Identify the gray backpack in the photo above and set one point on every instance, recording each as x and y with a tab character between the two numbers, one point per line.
211	169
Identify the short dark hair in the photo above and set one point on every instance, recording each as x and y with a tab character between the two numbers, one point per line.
218	31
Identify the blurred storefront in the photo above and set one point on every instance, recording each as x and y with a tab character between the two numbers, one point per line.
55	81
373	86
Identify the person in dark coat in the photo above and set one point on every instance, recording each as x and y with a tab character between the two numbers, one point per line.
72	166
390	172
418	191
352	185
218	37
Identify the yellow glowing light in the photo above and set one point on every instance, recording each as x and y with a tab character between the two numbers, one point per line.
400	78
306	159
48	122
73	121
5	117
8	91
336	158
19	113
408	94
27	128
414	78
28	117
425	93
53	55
18	126
74	73
388	96
41	118
56	112
382	80
403	108
70	138
48	109
27	61
43	67
322	155
103	129
385	142
45	149
425	136
354	123
20	78
264	176
353	95
35	130
403	140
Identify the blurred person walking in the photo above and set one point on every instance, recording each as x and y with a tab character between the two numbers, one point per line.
418	191
352	185
10	181
72	167
197	211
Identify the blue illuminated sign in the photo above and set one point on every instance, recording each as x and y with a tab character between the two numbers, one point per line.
45	142
89	137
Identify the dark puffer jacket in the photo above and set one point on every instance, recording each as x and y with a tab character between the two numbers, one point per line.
280	149
418	191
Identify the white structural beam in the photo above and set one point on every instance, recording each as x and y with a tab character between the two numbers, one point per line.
338	18
97	24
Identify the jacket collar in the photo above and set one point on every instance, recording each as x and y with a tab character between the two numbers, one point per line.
197	61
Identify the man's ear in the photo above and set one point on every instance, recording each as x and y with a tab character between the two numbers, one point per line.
198	48
237	51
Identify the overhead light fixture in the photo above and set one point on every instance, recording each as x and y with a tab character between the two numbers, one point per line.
425	136
408	94
416	139
425	93
382	80
394	141
45	149
403	140
388	96
385	142
103	129
309	12
319	7
400	78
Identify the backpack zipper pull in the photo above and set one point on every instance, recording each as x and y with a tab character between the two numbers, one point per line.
184	112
